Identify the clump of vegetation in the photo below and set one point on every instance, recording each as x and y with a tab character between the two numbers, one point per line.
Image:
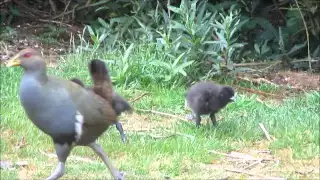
189	39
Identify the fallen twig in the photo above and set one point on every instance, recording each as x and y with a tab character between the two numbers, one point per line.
11	165
252	164
240	156
234	156
304	60
259	92
258	81
304	173
170	134
276	63
82	7
252	174
266	133
5	1
53	6
252	64
139	97
162	113
161	137
225	178
263	151
21	143
181	134
259	100
33	13
53	21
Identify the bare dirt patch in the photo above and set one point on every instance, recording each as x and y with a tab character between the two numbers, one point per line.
287	83
30	34
297	80
144	122
27	172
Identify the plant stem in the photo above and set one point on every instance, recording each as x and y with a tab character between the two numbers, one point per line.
307	33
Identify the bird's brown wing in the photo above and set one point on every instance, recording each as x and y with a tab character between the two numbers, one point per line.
92	107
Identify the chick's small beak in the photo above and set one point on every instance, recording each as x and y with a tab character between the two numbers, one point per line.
233	98
15	61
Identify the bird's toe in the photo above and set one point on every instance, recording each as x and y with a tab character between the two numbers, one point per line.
124	139
190	117
120	176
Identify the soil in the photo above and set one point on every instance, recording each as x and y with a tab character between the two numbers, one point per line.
297	80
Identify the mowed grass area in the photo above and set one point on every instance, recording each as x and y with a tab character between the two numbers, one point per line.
150	154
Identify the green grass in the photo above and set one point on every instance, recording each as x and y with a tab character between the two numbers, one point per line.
294	123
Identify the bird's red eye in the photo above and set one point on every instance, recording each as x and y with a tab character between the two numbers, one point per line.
27	55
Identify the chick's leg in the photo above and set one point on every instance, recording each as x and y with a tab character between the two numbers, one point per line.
198	119
62	151
120	129
213	119
98	150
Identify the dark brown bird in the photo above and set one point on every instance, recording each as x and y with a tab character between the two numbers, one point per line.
69	114
206	97
98	71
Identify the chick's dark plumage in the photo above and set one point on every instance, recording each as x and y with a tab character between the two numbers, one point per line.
69	114
208	98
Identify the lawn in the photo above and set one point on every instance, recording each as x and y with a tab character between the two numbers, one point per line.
166	147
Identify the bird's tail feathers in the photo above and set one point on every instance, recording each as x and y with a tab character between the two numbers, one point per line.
102	84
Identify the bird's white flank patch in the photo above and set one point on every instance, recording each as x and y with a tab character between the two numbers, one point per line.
78	125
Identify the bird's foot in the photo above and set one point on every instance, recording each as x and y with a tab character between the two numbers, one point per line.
190	117
119	176
124	139
57	172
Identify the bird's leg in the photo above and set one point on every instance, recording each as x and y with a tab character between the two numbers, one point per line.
198	119
62	151
98	150
213	119
191	116
120	129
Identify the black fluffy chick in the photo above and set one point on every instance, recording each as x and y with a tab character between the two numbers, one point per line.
206	97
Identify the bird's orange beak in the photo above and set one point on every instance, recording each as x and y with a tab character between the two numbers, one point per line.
15	61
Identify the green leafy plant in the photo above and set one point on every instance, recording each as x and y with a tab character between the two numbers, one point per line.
174	68
262	50
227	37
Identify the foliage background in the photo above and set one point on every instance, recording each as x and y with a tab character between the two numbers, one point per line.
183	40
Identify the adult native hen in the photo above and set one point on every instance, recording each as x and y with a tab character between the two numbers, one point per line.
68	113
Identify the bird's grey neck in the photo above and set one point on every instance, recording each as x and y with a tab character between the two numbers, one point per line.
41	76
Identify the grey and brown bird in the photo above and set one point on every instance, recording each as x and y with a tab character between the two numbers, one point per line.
206	97
68	113
98	72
